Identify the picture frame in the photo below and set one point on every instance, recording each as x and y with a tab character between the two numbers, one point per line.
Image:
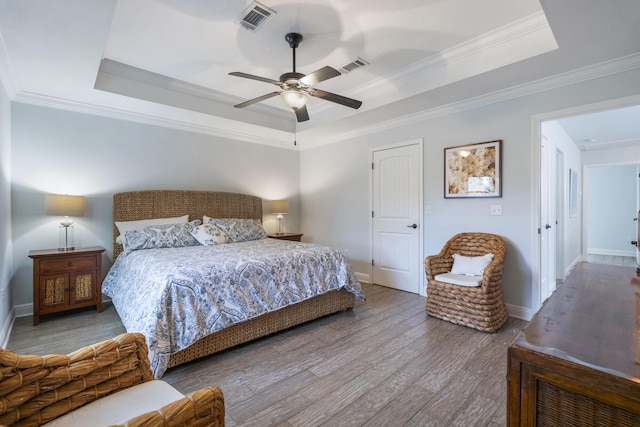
573	193
473	170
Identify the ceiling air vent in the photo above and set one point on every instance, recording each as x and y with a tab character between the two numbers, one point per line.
255	15
358	63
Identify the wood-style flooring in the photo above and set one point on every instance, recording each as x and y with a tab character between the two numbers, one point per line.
386	363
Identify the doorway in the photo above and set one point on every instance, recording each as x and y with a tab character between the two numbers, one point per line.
604	148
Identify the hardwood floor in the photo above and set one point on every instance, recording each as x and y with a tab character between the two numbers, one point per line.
386	363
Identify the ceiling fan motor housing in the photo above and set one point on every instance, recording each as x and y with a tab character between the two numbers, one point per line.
291	78
293	39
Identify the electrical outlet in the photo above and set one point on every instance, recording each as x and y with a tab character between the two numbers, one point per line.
496	210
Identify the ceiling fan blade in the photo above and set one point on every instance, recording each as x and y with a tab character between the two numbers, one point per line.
252	77
339	99
301	113
256	100
324	73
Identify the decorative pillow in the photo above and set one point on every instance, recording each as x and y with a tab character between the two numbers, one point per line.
209	235
470	266
238	230
161	236
124	226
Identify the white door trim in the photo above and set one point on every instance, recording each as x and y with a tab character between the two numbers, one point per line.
420	143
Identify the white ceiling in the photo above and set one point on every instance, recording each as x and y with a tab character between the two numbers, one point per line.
168	60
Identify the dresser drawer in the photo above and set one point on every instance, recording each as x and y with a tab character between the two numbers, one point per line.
67	264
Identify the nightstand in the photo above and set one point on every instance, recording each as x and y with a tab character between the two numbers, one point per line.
64	280
287	236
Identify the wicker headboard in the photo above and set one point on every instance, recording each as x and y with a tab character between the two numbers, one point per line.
149	204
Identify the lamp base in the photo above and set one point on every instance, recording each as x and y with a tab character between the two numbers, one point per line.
65	238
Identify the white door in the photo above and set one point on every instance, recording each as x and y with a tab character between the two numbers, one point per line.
637	218
396	217
547	218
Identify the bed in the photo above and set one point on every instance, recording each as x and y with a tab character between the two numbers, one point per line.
171	295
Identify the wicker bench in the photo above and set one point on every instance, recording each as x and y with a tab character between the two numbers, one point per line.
103	384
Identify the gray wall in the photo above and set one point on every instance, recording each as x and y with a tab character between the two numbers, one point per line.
328	186
56	151
611	206
335	178
6	263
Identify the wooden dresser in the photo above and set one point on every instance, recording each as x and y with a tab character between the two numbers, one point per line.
576	362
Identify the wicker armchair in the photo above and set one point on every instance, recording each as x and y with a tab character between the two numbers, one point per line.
37	389
481	307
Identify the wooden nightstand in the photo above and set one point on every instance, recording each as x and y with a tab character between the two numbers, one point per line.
64	280
287	236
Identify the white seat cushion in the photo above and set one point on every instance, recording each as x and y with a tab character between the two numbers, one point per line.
459	279
120	407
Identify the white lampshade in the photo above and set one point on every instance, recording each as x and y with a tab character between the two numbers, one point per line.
64	205
294	98
280	206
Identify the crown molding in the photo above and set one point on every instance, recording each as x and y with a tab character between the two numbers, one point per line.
260	135
602	69
6	75
224	128
613	143
113	76
517	41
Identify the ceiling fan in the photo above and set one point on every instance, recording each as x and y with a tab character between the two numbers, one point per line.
296	87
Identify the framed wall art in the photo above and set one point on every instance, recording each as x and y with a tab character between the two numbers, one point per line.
473	170
573	193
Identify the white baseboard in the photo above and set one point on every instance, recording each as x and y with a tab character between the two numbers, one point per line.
519	312
364	278
7	325
23	310
612	252
571	266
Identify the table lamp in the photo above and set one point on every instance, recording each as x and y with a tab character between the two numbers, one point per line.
66	206
280	207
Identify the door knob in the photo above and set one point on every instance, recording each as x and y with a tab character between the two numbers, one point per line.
547	226
413	226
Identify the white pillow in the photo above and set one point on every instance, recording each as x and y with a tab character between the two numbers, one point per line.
470	266
124	226
209	235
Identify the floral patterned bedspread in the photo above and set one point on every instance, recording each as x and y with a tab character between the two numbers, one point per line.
175	296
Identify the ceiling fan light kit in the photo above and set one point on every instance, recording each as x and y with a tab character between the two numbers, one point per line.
296	87
295	98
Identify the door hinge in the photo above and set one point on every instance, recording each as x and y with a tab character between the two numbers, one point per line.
372	168
371	262
539	230
371	214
